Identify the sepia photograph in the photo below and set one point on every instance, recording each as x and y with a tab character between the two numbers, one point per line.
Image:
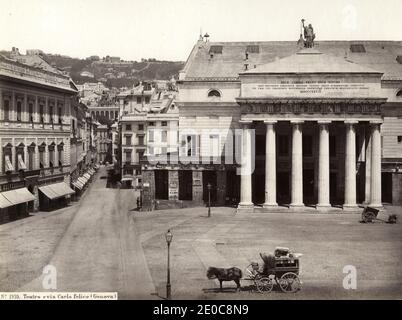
200	150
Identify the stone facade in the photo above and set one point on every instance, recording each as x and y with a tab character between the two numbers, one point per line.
34	128
315	128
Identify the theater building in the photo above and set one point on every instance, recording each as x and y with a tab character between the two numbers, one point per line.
321	126
35	128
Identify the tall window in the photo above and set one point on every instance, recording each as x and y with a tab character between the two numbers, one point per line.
164	136
6	110
31	157
60	115
151	136
41	149
51	115
141	140
128	155
147	100
30	112
138	100
191	145
140	154
140	127
20	161
41	114
128	140
214	145
73	126
7	155
51	155
19	110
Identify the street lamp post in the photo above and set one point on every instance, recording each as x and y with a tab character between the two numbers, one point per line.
168	237
209	199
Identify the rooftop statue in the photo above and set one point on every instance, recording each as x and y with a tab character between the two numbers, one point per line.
309	35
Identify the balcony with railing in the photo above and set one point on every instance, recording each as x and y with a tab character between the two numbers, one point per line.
29	125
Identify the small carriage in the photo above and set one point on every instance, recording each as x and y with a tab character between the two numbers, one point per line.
282	267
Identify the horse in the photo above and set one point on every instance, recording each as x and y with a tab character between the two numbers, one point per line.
222	274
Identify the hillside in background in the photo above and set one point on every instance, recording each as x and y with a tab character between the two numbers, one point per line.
112	71
114	74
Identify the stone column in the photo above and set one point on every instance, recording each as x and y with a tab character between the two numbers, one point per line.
270	165
173	185
323	165
297	164
246	170
367	187
375	194
350	165
197	187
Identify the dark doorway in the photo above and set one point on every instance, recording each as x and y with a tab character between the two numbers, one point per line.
282	187
161	184
258	182
232	187
333	198
386	187
209	176
361	182
185	185
308	186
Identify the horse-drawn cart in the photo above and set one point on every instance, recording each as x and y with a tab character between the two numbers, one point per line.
282	267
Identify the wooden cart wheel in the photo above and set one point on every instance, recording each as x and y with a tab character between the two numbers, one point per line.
264	284
289	282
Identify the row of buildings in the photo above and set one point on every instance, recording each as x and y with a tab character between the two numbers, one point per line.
49	139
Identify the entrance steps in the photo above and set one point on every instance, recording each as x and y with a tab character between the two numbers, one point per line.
306	209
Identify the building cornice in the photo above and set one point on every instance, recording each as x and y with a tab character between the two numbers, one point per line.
206	104
310	100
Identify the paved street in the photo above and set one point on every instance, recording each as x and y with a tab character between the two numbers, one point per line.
102	244
92	244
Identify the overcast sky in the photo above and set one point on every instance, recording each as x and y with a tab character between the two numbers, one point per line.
167	29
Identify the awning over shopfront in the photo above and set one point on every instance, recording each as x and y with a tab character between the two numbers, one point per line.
48	192
4	203
15	197
91	171
56	190
127	178
87	175
62	188
78	185
83	180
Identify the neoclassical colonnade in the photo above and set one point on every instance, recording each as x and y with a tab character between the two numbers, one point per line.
374	175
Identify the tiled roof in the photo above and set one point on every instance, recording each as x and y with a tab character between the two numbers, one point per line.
311	61
38	62
20	70
379	56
